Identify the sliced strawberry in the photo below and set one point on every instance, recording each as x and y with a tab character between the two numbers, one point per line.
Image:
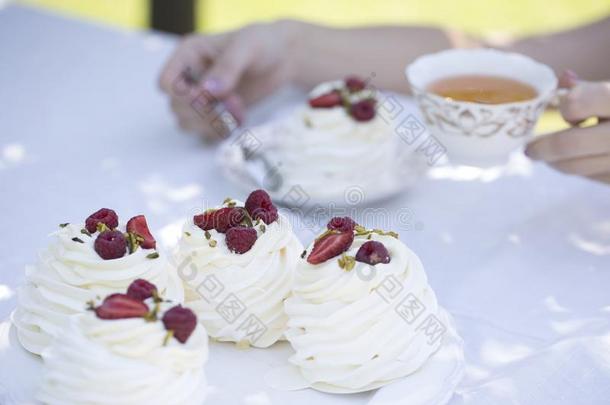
121	306
206	220
330	246
327	100
139	226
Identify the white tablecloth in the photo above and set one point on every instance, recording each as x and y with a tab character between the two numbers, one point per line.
521	258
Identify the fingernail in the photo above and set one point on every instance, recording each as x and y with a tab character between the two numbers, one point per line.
530	153
234	106
213	85
568	79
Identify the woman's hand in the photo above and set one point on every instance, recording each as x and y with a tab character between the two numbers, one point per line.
579	151
212	75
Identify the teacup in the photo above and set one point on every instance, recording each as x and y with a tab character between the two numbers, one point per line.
473	133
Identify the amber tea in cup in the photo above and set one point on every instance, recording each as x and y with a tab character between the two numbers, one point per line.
482	89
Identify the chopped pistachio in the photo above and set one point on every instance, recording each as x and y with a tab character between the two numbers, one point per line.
326	233
101	227
90	305
227	200
152	315
133	241
187	233
360	231
64	224
84	231
212	243
262	228
207	235
153	255
79	240
346	262
304	254
247	221
168	336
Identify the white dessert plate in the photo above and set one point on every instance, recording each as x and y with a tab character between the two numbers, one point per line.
244	161
238	376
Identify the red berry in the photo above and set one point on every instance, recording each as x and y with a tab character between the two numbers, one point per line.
327	100
141	289
363	110
240	239
330	246
354	84
139	226
259	206
105	216
182	321
373	252
121	306
110	245
228	217
205	221
343	224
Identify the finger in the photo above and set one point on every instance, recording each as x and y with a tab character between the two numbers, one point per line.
604	178
588	166
571	143
568	79
235	106
586	100
185	64
226	70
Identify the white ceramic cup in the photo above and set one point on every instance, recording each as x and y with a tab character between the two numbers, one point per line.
473	133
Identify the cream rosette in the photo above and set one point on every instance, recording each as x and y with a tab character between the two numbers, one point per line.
240	297
123	362
70	272
356	329
328	146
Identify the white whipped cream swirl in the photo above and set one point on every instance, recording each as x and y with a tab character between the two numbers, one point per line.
69	273
123	362
240	297
326	146
345	326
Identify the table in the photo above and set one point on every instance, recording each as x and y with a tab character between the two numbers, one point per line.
520	256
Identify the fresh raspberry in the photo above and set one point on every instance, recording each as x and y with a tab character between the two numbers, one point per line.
121	306
105	216
182	321
343	224
328	100
141	289
240	239
363	110
330	246
373	252
228	217
205	221
110	245
354	84
259	206
139	226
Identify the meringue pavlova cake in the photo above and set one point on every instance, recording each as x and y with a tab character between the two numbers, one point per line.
362	313
82	262
237	262
332	139
134	348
